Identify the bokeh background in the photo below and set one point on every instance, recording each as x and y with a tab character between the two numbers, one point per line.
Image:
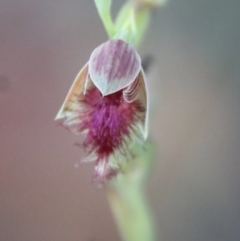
194	85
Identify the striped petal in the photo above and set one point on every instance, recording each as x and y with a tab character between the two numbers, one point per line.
142	97
113	66
131	92
78	87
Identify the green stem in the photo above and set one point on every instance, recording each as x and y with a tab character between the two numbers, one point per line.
127	197
103	7
132	214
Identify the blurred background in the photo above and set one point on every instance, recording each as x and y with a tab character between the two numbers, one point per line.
194	85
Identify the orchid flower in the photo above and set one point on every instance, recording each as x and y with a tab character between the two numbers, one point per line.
108	105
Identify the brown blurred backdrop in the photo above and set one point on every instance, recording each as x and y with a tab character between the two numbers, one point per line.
195	114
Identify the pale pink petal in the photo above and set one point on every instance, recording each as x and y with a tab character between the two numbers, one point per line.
113	66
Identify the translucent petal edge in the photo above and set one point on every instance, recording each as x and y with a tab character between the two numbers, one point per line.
78	87
144	100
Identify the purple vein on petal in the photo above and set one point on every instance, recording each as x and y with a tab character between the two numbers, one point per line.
113	66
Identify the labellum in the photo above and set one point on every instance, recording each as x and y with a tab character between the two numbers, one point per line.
107	104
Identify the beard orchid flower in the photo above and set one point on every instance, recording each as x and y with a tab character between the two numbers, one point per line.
108	105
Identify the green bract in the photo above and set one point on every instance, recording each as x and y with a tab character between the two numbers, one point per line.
130	24
104	7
